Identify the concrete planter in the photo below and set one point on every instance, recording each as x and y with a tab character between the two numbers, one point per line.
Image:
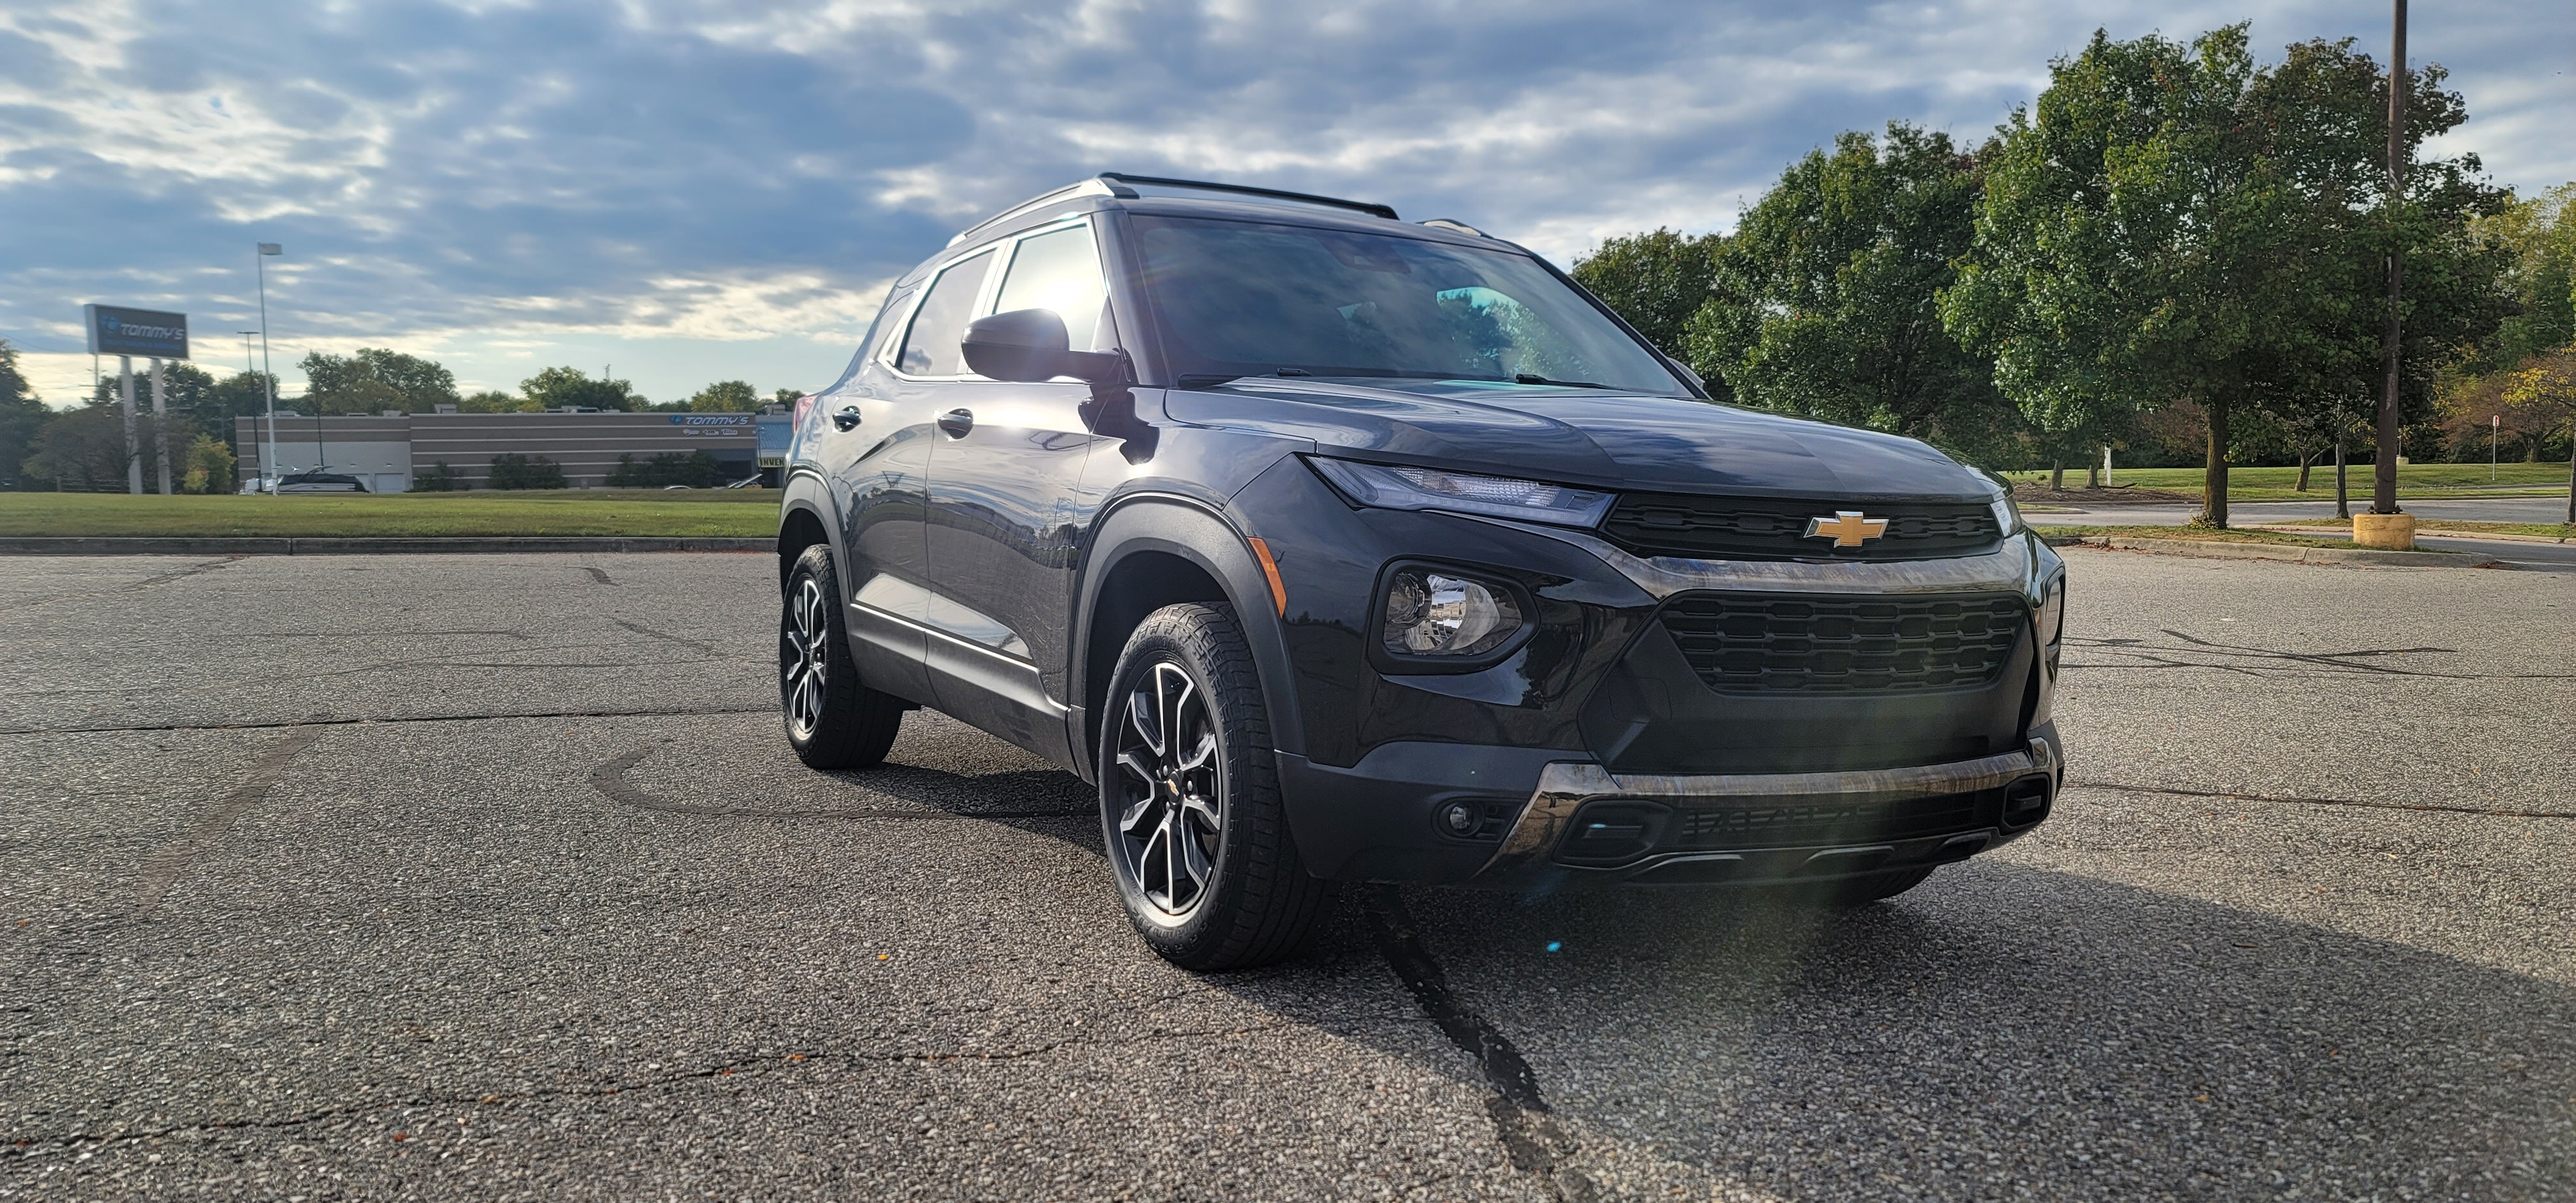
2387	532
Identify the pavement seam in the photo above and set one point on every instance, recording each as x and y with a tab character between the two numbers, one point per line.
163	868
683	712
2240	796
1531	1139
129	587
610	779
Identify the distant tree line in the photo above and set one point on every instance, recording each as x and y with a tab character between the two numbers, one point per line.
83	448
2174	251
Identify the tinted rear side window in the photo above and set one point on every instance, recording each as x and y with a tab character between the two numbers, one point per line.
930	347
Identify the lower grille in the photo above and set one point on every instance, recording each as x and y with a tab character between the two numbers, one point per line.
1803	826
1767	643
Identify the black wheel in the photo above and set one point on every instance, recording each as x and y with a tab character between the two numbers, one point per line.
1189	799
833	721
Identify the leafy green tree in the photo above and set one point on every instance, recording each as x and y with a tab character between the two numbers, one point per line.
1656	281
493	401
725	396
512	470
2142	241
1826	298
83	448
373	380
555	388
438	479
22	414
787	398
207	467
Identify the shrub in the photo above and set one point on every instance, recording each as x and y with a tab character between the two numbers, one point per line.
439	479
208	467
516	471
696	469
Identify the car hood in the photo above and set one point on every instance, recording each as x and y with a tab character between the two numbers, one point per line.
1585	437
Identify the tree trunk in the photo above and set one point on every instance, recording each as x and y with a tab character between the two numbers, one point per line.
2092	475
2306	460
2571	474
2343	494
2213	480
2057	476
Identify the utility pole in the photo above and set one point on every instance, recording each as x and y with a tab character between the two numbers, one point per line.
268	458
2384	497
2495	434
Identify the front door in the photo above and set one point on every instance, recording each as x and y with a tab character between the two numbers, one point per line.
881	427
1007	511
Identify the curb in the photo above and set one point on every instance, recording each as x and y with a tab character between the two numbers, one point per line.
2212	549
258	546
2422	532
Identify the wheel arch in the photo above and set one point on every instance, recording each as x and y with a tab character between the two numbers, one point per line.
804	520
1159	551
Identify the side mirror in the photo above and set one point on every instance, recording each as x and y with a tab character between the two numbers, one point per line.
1029	345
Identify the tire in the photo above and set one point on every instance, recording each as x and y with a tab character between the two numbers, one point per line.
833	720
1190	809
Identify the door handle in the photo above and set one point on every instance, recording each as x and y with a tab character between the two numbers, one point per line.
957	422
847	418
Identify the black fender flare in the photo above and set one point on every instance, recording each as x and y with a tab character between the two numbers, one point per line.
806	492
1190	530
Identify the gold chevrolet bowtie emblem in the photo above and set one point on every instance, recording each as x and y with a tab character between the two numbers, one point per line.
1846	528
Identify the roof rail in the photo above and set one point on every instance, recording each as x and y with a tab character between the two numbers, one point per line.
1086	187
1115	178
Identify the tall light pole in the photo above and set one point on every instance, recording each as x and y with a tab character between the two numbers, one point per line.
268	458
2384	497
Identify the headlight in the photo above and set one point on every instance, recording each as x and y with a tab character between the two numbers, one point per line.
1392	488
2052	613
2007	519
1433	613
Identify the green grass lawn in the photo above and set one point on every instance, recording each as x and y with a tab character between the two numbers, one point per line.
2237	535
2420	481
705	512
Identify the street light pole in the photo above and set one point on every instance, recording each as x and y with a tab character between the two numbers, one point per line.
268	458
2384	497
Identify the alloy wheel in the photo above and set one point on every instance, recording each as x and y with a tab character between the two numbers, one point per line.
1171	790
804	652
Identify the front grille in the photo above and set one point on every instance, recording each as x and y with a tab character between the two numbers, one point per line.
1775	643
1692	527
1826	823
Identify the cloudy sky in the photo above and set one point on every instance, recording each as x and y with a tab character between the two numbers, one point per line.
719	189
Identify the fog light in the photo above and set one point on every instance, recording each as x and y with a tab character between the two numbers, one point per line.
1437	614
1459	819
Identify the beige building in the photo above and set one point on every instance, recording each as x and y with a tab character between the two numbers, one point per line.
391	451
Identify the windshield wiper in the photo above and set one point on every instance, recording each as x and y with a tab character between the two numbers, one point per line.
1526	378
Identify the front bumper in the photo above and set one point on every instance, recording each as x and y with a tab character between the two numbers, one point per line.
1772	827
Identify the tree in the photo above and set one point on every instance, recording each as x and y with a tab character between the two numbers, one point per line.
492	401
787	398
22	414
2544	390
555	388
438	479
725	396
1656	281
515	471
1826	299
2144	239
207	467
80	449
374	380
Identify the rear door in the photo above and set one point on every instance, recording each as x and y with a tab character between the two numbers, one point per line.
1007	508
882	474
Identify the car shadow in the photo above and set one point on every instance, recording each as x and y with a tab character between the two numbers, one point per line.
2002	1030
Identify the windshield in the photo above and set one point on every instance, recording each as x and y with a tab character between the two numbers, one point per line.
1241	299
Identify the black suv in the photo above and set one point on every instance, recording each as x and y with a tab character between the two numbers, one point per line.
1334	547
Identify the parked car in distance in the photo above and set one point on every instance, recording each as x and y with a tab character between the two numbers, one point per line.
319	482
1331	547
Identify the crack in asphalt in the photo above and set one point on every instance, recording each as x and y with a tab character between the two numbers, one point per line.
26	1146
705	649
611	779
164	867
680	712
2146	656
2240	796
1531	1138
598	575
129	587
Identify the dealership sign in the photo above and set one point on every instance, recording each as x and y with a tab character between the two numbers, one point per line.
115	330
710	419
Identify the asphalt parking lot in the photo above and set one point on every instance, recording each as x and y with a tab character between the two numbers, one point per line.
490	877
